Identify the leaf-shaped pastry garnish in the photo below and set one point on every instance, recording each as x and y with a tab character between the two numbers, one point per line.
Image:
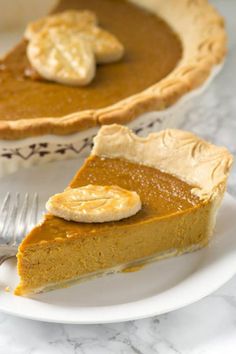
93	203
60	55
65	47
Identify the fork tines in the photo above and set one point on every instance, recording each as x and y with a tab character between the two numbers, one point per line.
18	214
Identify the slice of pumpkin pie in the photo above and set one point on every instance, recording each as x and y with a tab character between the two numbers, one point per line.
134	199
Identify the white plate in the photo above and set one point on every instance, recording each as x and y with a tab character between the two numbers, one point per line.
157	288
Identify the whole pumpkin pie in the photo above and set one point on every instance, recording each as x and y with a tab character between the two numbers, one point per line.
170	48
175	182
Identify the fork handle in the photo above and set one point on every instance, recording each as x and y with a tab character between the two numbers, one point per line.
7	252
6	249
4	258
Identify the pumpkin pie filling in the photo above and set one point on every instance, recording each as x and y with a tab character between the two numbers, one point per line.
175	217
98	247
152	51
162	195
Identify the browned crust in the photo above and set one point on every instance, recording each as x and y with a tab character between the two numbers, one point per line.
204	46
203	165
24	128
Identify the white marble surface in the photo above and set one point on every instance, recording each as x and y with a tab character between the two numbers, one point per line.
206	327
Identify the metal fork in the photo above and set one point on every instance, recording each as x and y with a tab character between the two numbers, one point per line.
18	214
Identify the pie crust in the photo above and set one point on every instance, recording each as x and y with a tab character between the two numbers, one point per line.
179	153
203	37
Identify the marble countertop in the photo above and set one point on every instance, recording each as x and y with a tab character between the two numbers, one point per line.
206	327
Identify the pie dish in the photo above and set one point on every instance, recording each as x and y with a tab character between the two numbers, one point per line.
180	179
184	47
